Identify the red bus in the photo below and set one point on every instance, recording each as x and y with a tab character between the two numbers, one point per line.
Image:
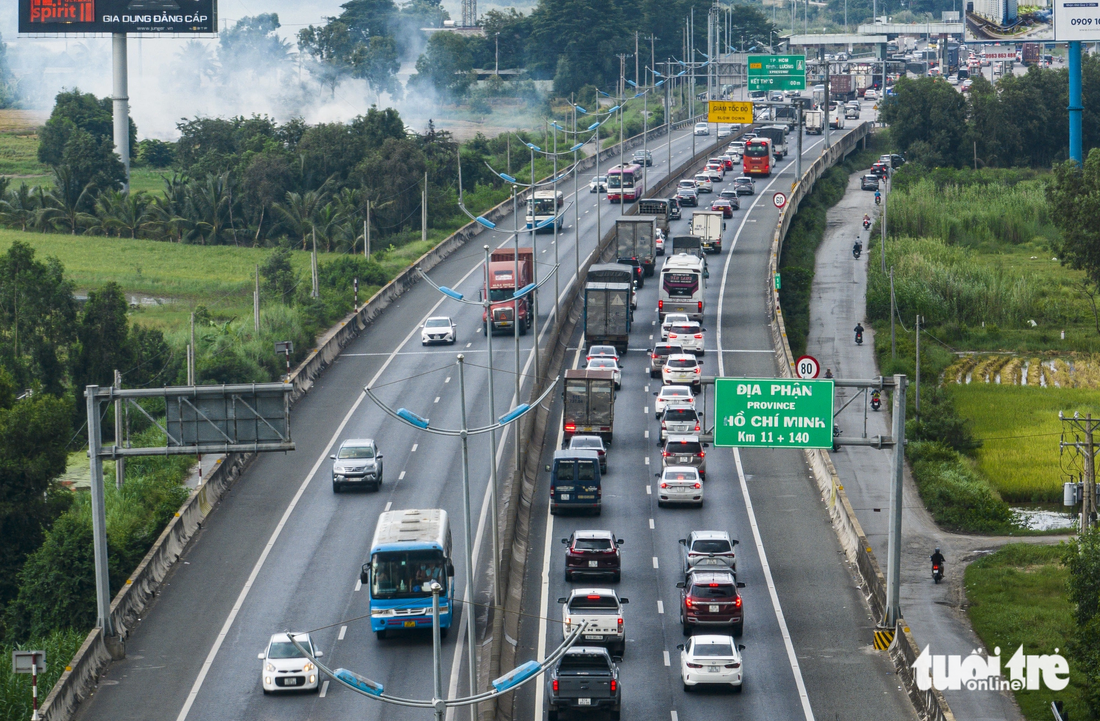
624	180
758	157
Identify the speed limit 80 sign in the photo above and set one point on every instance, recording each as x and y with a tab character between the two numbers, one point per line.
807	367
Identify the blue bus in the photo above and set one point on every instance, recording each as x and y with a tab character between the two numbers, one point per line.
411	548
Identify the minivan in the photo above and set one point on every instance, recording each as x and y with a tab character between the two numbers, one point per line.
575	481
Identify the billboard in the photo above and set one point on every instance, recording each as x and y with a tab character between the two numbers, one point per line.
1006	21
1077	20
79	17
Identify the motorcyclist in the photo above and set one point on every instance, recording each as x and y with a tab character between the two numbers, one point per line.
859	331
878	197
866	217
939	560
857	247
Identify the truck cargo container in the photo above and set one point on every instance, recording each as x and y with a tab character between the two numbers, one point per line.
614	273
659	208
635	237
589	404
607	314
841	87
814	122
708	225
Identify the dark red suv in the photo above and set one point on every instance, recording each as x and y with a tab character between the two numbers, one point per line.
710	598
593	553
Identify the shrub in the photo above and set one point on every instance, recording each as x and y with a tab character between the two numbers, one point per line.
953	493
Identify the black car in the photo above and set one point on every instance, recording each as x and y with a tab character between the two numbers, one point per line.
687	196
869	182
639	270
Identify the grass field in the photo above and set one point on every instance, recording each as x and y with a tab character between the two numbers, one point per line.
1018	596
1020	430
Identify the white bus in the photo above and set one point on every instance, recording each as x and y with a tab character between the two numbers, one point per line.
683	283
544	211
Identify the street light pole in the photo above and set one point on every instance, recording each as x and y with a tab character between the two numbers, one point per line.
577	200
471	636
437	656
557	284
534	308
492	448
515	318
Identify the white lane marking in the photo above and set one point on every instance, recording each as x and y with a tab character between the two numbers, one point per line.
646	462
435	401
651	528
400	477
675	717
792	658
415	445
651	336
655	562
660	606
467	345
652	322
343	631
646	410
324	689
194	692
649	490
668	661
358	585
647	389
647	434
544	600
390	503
447	379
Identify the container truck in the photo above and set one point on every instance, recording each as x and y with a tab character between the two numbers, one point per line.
505	312
607	314
589	407
635	237
614	273
841	88
708	225
814	121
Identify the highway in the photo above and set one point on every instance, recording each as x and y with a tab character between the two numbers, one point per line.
807	631
284	551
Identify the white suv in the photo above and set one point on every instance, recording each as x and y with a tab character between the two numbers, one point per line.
672	396
670	320
704	183
684	370
688	336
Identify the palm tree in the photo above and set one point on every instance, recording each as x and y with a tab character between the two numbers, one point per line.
299	213
64	204
18	208
126	214
211	203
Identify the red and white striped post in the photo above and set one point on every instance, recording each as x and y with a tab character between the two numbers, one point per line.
34	686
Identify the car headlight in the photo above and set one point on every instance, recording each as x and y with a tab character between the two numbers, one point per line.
382	612
270	667
308	667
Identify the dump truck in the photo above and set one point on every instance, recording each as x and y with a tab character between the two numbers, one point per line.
503	284
589	407
636	238
607	313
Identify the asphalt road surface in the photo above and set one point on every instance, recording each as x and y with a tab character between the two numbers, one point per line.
807	630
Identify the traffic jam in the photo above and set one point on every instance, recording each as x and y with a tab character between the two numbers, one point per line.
651	248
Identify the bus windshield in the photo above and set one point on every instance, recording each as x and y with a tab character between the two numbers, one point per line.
543	206
680	284
406	574
620	180
756	150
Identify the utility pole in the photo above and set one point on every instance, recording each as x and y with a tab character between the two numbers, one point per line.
826	103
315	291
120	461
496	62
636	80
917	374
191	358
424	210
893	312
1086	427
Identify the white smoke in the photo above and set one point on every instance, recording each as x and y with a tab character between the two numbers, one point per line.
173	78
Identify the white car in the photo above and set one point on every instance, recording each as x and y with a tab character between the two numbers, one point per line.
659	242
704	183
687	184
284	667
688	335
670	320
438	329
672	396
601	351
607	364
737	147
702	129
598	184
715	174
870	94
603	609
683	370
724	132
679	484
711	659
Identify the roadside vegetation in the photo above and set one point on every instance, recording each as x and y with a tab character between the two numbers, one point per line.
1018	595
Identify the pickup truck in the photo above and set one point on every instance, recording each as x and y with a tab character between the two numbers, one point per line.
584	679
603	609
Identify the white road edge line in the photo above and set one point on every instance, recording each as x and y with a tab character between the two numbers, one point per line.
324	689
544	600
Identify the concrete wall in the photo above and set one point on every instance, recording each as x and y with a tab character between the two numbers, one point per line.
929	704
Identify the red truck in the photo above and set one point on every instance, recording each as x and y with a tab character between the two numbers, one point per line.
502	287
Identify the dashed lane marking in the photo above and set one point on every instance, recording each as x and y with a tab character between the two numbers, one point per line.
414	447
390	503
324	690
358	586
400	477
649	490
435	401
651	528
660	606
655	562
668	661
343	632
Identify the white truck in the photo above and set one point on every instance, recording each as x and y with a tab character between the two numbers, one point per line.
603	609
708	225
814	120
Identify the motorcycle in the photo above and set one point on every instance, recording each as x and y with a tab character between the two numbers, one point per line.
859	337
878	199
876	400
857	249
937	572
866	223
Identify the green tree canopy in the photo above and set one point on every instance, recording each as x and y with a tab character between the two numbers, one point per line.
928	120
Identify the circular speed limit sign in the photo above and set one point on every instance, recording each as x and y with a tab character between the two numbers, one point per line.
779	199
807	367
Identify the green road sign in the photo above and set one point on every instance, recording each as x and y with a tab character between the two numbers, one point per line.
773	413
777	72
777	285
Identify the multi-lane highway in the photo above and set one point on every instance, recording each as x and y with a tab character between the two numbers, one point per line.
284	551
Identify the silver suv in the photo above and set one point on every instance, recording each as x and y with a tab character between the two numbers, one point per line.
679	421
685	451
357	463
660	354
